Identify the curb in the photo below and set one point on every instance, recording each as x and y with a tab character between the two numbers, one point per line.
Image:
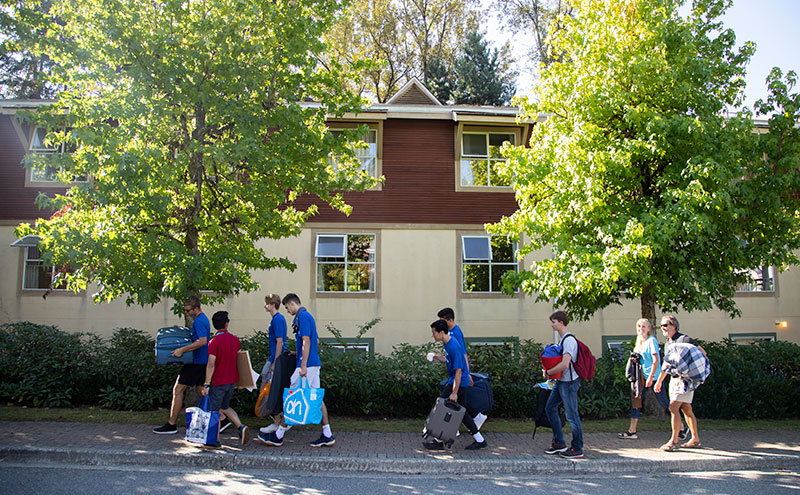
390	465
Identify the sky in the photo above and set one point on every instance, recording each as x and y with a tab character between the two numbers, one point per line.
773	25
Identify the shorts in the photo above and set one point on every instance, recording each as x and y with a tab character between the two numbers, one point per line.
312	373
192	375
675	395
219	396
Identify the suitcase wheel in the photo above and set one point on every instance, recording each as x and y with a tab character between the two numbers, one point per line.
449	443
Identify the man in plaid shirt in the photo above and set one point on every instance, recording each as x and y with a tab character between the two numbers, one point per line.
680	396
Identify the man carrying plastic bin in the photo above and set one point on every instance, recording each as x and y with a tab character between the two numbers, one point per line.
191	375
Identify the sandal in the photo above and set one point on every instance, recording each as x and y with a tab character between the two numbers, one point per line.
669	447
692	445
628	435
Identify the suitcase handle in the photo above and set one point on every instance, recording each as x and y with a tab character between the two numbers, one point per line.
455	406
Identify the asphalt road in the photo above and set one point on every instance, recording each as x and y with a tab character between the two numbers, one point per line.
39	479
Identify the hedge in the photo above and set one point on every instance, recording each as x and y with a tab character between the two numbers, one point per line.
44	366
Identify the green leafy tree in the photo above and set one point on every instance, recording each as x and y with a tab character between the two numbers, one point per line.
22	72
539	18
482	74
185	117
637	180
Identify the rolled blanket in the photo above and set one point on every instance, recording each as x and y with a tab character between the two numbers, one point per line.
687	362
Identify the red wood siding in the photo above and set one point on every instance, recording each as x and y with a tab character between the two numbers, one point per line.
419	166
16	200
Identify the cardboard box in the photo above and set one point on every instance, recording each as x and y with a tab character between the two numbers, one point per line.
247	377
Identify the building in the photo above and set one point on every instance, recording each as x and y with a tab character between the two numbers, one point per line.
412	245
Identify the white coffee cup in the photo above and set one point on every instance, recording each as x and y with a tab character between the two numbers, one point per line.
431	355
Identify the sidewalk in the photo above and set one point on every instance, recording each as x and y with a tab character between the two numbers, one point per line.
117	444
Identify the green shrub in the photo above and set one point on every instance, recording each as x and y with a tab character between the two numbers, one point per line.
750	381
42	366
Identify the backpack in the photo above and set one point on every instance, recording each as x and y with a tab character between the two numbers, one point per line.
539	416
585	364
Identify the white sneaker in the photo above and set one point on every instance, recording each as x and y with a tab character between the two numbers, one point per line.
272	428
480	419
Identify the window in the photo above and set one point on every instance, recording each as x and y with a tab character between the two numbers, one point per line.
617	345
368	156
507	343
363	345
42	146
761	279
481	158
484	260
37	275
752	338
345	262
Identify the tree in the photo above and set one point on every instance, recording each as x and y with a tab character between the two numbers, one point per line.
482	74
185	116
373	29
637	180
403	37
23	73
439	79
538	17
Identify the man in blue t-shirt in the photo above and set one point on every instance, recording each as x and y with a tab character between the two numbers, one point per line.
276	333
457	370
308	366
449	316
194	374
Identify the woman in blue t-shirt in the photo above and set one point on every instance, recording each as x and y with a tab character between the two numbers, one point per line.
647	347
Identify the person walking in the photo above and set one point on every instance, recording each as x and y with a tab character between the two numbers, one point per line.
680	401
308	366
649	371
565	391
222	373
191	374
457	369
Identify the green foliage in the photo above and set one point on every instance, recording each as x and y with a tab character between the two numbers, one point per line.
190	118
482	75
43	366
750	381
637	180
23	73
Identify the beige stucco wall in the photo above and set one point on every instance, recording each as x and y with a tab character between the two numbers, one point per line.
417	274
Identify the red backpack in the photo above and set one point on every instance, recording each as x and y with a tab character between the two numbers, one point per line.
585	363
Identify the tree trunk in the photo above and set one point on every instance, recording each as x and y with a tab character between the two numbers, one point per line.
648	302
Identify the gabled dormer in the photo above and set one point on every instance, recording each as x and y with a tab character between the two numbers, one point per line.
414	93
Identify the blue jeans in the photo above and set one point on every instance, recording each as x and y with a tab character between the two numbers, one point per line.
566	392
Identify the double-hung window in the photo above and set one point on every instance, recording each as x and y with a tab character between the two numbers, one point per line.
368	153
484	260
481	158
38	275
43	146
345	263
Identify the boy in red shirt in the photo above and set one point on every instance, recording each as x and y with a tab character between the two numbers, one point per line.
221	371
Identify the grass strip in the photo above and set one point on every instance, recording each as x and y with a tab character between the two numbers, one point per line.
377	424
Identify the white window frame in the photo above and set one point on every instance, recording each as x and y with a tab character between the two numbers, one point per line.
490	263
364	154
752	338
318	260
464	256
38	176
37	264
342	237
466	159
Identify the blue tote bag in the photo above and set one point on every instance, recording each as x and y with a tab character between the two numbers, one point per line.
202	425
303	405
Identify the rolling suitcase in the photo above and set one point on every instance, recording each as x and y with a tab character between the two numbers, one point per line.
443	421
539	416
170	338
